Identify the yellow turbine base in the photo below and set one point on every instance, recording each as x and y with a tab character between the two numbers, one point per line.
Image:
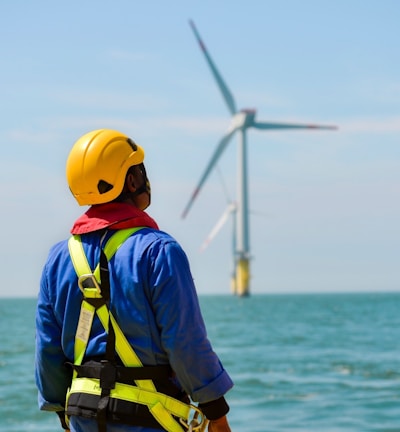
242	277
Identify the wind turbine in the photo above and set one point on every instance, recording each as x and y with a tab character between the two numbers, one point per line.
230	210
241	121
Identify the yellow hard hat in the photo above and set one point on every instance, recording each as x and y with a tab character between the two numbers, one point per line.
98	163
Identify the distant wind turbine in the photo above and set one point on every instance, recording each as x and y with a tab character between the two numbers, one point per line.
230	210
240	122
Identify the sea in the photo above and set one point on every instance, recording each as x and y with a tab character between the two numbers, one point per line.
304	362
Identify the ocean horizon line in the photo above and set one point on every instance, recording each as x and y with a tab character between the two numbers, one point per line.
254	294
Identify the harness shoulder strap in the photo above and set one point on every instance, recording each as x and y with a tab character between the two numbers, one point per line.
82	268
89	283
78	256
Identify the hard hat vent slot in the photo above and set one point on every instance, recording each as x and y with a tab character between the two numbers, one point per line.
103	186
132	144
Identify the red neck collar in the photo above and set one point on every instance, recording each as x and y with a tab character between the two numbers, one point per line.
112	215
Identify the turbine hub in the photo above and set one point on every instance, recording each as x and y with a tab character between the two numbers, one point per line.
245	118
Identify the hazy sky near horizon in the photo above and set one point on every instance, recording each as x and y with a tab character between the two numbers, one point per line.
325	205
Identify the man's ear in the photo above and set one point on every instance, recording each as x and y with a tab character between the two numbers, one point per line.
130	183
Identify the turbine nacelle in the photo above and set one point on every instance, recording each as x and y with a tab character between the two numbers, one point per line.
243	119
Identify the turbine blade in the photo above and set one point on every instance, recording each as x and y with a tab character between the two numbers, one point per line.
269	125
227	95
217	153
217	227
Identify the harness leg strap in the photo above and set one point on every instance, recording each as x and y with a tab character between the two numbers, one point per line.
108	375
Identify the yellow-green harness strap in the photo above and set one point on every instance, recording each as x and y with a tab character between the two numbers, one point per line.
84	272
161	406
78	256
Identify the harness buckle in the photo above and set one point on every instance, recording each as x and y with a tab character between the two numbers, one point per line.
197	422
108	375
88	282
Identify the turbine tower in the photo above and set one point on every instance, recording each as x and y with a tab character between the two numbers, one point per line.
240	122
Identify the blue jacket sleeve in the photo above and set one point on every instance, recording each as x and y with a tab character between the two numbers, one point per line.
183	332
52	375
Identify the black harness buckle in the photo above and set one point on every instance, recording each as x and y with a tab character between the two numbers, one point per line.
108	375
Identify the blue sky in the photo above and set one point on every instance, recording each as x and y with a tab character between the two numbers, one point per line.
325	204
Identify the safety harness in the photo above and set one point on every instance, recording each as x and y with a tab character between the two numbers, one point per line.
103	389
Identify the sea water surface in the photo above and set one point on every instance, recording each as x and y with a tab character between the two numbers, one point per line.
310	362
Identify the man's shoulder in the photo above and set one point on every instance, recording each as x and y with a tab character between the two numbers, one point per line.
155	237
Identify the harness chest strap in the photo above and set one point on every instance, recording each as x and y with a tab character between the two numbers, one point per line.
161	406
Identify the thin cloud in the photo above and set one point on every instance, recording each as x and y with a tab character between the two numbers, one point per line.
124	55
110	100
371	125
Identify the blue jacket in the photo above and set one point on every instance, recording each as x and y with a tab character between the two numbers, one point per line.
154	300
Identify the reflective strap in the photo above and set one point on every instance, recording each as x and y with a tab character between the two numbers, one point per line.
160	413
116	240
82	267
83	332
123	348
161	406
78	255
132	394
